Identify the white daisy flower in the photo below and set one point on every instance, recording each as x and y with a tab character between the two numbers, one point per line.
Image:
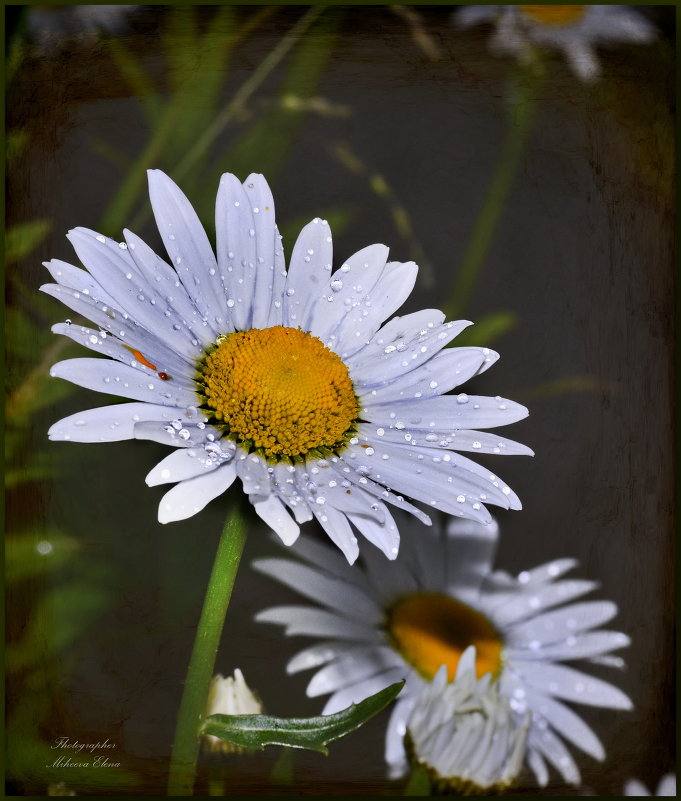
666	787
229	696
287	380
381	625
576	30
465	734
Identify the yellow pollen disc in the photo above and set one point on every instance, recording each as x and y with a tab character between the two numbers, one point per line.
430	630
553	15
281	390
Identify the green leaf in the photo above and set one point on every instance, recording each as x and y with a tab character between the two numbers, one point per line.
257	731
22	239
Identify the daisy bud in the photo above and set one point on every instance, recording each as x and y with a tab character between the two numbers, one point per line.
229	696
465	734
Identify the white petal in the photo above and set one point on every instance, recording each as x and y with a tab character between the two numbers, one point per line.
473	15
555	626
469	554
568	724
348	600
236	249
81	281
446	370
447	413
252	470
114	378
581	646
327	559
284	485
583	60
538	766
546	742
535	599
351	669
357	277
570	684
111	423
434	478
395	755
266	239
273	512
308	273
364	318
667	786
122	327
118	273
179	310
546	572
336	525
190	496
398	330
383	535
320	653
636	788
363	689
403	356
278	282
359	479
188	247
313	622
179	466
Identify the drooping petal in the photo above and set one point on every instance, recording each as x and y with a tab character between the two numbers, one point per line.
181	465
191	496
272	511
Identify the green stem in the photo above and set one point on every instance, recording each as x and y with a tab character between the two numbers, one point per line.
202	662
419	782
522	105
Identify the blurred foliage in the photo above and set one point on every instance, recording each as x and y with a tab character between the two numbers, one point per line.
343	153
23	239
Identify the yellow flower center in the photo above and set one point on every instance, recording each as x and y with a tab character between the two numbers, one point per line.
430	630
553	15
280	391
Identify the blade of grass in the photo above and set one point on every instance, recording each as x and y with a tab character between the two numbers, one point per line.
266	143
343	153
245	92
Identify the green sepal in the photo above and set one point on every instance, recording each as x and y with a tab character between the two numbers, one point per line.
257	731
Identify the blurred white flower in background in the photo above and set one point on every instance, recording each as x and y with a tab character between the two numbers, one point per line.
575	30
50	25
439	597
666	787
464	732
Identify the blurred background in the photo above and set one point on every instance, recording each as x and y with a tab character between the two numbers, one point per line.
389	122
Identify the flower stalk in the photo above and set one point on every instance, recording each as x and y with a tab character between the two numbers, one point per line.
202	662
